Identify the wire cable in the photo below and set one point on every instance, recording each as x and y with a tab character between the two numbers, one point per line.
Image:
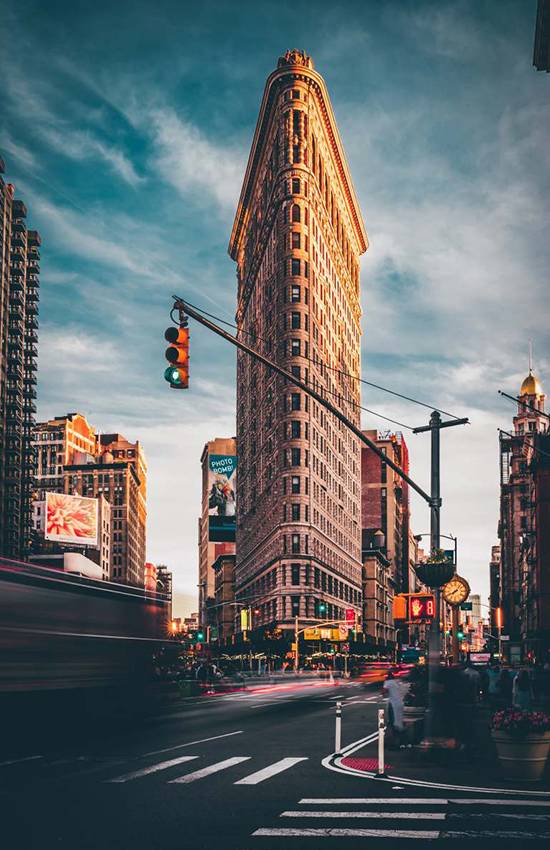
332	368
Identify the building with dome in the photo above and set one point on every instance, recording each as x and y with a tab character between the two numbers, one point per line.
524	527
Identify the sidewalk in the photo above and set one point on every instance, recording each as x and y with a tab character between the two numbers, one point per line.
476	768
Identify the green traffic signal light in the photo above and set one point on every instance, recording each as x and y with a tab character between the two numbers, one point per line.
460	635
173	375
200	636
322	608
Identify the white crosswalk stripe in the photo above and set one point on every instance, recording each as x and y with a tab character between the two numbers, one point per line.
208	771
154	768
271	770
436	818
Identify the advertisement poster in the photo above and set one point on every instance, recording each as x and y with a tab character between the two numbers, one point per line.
222	480
71	519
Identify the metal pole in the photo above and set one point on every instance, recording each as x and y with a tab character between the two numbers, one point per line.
296	654
434	652
338	731
381	735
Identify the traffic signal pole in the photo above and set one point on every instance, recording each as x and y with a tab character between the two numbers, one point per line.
181	304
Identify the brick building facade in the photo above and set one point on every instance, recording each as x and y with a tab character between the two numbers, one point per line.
297	238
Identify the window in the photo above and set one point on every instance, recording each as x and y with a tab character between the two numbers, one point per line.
295	401
296	371
295	267
295	573
295	186
295	606
295	457
295	321
295	239
295	429
295	516
296	94
295	543
295	352
295	483
296	153
295	213
295	294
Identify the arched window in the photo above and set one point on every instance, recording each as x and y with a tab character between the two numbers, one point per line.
295	213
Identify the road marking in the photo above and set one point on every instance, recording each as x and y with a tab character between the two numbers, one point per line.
372	815
501	816
375	801
338	696
469	802
271	770
349	833
207	771
154	768
493	833
19	761
190	744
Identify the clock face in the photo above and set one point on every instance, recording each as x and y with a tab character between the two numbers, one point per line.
456	591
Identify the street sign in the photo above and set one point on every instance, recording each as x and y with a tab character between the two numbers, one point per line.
343	629
323	633
345	647
505	637
350	615
466	606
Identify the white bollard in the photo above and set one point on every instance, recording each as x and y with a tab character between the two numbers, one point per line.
381	734
338	733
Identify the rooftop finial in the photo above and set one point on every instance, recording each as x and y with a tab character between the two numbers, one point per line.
295	57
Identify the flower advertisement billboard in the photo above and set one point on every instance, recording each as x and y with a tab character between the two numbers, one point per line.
71	519
222	479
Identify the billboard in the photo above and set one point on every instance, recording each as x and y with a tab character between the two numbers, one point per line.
222	479
71	519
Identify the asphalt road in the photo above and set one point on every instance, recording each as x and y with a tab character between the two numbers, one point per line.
240	771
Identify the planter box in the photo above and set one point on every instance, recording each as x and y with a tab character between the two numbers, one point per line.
522	758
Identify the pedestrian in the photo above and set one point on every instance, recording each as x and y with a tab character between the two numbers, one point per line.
505	688
522	692
493	675
396	725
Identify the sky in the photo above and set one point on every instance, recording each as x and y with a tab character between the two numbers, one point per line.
126	131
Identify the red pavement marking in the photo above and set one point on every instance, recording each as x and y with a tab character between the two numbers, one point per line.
363	764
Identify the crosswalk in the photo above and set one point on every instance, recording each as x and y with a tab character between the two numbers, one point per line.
262	774
412	818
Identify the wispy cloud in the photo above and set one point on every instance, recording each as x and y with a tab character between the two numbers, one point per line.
82	145
194	164
17	150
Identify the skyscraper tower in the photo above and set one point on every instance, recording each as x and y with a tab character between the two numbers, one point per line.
19	282
297	238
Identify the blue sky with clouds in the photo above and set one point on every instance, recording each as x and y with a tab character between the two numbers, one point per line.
126	130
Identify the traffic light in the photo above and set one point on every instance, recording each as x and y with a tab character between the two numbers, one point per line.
421	607
177	353
200	637
460	633
321	609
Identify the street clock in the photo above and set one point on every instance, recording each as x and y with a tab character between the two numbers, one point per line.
456	591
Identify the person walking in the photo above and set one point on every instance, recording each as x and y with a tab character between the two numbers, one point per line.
392	690
522	692
505	688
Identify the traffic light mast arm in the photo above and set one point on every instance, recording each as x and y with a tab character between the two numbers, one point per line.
182	305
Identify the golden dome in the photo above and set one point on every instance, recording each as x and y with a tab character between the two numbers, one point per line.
531	385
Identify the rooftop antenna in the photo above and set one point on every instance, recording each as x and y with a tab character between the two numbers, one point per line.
530	356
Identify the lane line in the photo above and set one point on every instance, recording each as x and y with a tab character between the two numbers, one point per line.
190	744
208	771
493	833
20	761
154	768
469	802
349	833
271	770
500	816
375	801
371	815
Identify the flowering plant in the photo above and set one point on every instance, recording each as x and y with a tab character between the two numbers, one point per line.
520	723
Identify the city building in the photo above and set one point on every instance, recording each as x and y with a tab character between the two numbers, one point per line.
297	238
217	521
224	591
73	459
52	554
19	283
523	476
541	51
385	502
378	594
